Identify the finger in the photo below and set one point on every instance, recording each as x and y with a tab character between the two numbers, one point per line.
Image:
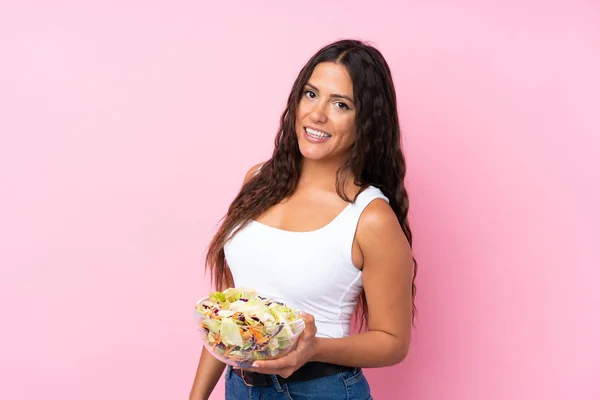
308	318
271	364
286	361
309	323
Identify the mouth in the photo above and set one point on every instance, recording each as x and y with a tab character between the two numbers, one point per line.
316	134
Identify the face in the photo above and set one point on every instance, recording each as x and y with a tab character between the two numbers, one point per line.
326	114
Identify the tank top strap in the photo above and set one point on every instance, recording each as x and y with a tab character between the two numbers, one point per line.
349	223
366	197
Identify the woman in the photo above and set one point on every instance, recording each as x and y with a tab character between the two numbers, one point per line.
323	224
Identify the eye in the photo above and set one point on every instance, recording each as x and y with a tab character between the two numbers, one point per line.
342	105
310	94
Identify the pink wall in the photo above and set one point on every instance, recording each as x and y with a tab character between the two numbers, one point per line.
126	129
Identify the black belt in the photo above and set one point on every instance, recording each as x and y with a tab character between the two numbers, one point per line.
310	370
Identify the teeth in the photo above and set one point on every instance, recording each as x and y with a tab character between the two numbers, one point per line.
317	134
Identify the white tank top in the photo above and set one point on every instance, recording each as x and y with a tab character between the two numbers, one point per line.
311	270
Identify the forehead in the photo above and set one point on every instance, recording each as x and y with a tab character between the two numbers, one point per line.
331	77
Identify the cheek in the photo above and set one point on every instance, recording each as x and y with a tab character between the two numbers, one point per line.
301	110
349	129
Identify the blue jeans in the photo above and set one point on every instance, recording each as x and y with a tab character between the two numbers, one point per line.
345	386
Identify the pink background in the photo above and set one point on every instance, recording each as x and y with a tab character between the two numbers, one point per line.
126	129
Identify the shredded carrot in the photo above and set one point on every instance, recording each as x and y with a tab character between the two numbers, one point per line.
258	335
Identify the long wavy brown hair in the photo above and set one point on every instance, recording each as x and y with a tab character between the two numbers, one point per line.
375	159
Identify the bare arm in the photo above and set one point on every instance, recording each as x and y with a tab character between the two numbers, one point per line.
207	375
209	368
387	279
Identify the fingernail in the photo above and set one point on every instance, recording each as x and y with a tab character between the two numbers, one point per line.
255	365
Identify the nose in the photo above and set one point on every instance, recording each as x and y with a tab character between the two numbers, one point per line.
318	112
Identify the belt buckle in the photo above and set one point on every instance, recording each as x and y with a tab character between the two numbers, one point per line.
244	379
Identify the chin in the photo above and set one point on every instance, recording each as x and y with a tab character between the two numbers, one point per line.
310	154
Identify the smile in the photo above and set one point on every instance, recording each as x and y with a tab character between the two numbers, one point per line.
317	134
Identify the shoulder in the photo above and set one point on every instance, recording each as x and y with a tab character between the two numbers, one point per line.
377	216
252	171
379	229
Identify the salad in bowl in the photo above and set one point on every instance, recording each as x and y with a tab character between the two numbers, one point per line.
238	326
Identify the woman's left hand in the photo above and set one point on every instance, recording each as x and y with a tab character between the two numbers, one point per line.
305	350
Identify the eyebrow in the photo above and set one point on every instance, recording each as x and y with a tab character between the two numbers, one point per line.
333	95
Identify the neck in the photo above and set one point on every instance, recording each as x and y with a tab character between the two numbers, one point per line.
320	174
